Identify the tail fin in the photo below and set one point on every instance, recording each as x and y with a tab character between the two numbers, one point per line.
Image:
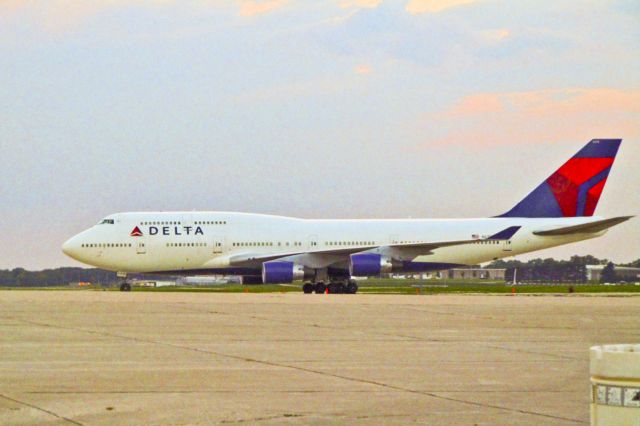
575	188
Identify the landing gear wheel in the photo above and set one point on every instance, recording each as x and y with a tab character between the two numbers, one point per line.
335	288
125	287
320	288
307	288
352	287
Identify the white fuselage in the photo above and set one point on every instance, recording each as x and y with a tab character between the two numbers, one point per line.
206	241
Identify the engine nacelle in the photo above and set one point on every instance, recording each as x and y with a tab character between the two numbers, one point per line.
369	265
279	272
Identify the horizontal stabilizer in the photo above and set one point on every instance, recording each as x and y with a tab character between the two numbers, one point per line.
585	228
505	234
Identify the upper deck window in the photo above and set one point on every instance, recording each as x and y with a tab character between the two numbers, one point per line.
107	221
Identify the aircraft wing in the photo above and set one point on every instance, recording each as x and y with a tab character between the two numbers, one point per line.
585	228
336	254
243	259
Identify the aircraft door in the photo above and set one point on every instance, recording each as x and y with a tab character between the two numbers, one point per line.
141	247
506	245
218	245
313	242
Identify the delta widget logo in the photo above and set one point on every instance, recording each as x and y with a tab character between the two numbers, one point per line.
168	230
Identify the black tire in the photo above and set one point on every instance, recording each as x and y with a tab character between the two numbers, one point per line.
342	288
352	287
334	288
320	288
307	288
125	287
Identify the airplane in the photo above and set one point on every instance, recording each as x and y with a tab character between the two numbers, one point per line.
327	254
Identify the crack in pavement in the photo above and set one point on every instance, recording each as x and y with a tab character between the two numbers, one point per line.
44	410
259	419
317	325
303	369
488	345
396	335
109	392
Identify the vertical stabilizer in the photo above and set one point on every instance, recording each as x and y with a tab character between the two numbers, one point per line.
574	189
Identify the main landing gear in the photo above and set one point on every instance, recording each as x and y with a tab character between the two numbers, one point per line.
334	287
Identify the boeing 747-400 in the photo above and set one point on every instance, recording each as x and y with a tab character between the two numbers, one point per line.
328	253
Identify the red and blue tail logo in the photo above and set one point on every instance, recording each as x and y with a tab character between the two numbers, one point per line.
575	188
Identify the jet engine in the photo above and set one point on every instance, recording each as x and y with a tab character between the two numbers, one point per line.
369	264
279	272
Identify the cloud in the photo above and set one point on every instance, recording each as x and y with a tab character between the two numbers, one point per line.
369	4
496	35
537	116
434	6
255	7
7	6
61	16
363	69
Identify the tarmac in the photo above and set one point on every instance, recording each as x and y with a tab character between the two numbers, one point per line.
93	357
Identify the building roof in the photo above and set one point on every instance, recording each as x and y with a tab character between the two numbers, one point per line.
617	268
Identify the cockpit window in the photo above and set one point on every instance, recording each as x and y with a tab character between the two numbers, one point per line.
106	221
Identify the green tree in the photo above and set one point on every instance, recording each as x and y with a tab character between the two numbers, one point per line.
608	274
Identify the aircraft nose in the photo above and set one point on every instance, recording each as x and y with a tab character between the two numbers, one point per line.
70	247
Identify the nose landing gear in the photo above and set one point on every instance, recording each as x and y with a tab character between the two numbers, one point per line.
124	285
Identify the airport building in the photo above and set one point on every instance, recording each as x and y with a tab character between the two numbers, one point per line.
476	274
152	283
460	274
208	280
625	273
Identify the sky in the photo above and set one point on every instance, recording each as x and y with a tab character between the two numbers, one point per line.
315	109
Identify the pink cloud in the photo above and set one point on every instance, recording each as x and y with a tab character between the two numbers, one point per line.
363	69
370	4
434	6
475	104
61	16
254	7
537	116
496	35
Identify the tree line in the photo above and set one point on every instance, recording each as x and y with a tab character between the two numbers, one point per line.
535	270
552	270
20	277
